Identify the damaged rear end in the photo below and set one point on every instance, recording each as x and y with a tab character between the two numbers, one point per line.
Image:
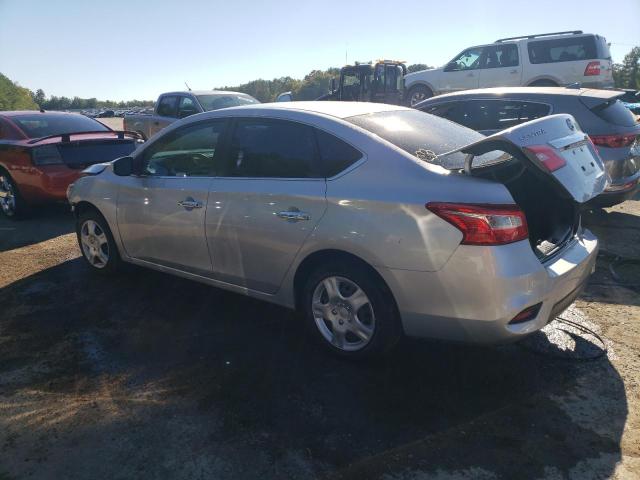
550	167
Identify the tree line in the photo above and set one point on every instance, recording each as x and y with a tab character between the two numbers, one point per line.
315	84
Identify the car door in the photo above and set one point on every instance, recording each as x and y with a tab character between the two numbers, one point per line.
461	73
268	202
166	114
161	213
501	66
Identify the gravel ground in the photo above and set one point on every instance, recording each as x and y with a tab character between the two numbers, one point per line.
150	376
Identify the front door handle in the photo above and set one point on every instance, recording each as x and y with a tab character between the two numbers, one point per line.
470	74
513	71
293	215
189	203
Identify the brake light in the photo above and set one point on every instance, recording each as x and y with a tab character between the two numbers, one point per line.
547	156
484	224
614	141
593	68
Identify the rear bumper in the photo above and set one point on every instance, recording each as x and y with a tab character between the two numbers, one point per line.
48	183
616	193
481	289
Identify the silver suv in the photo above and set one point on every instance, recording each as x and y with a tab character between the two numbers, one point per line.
372	220
550	60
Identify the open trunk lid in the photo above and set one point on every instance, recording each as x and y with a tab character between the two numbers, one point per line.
553	146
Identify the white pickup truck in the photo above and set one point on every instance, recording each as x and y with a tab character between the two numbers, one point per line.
550	59
174	105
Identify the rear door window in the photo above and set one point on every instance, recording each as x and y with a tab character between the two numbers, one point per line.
335	155
562	49
168	106
269	148
501	56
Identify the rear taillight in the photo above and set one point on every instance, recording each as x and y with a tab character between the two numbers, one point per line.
484	224
614	141
547	156
593	68
46	155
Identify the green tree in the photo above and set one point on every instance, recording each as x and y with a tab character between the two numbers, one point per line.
627	73
416	67
15	97
39	97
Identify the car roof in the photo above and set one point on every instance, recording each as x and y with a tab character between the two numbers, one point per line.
527	91
330	108
204	92
15	113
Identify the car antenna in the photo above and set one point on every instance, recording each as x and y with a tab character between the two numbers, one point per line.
188	87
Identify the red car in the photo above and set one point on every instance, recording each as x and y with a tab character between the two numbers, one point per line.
41	153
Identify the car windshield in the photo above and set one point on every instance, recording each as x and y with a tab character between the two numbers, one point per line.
216	102
36	125
425	136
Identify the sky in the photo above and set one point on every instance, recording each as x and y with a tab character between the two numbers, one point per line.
121	50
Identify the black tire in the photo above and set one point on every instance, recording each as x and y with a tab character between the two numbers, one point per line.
417	94
12	205
99	246
544	83
385	328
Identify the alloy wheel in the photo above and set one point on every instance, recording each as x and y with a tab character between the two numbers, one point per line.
95	245
343	313
7	196
417	97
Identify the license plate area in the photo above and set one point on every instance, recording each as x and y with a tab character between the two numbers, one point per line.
581	157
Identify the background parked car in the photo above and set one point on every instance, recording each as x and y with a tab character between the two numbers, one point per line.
106	114
612	128
551	59
329	207
631	99
174	105
41	153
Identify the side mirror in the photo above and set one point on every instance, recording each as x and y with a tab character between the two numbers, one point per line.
451	66
333	86
123	166
285	97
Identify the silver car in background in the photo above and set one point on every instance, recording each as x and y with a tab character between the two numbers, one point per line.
372	220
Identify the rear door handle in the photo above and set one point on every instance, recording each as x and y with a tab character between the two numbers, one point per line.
293	215
189	203
470	74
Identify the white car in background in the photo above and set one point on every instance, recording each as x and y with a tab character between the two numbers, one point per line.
551	59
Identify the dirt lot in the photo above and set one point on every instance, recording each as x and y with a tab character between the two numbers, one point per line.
150	376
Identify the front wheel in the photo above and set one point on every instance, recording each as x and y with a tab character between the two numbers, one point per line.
418	94
350	311
96	242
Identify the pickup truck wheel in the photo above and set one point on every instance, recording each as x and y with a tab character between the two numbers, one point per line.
12	204
349	311
96	242
418	94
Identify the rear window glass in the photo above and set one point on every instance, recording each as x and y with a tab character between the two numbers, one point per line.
335	154
168	106
38	125
422	135
616	113
216	102
87	153
562	49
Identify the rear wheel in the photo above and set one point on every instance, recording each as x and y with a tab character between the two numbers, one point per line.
349	311
544	83
418	94
96	242
11	202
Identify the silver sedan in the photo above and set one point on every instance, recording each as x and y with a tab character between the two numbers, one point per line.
372	220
